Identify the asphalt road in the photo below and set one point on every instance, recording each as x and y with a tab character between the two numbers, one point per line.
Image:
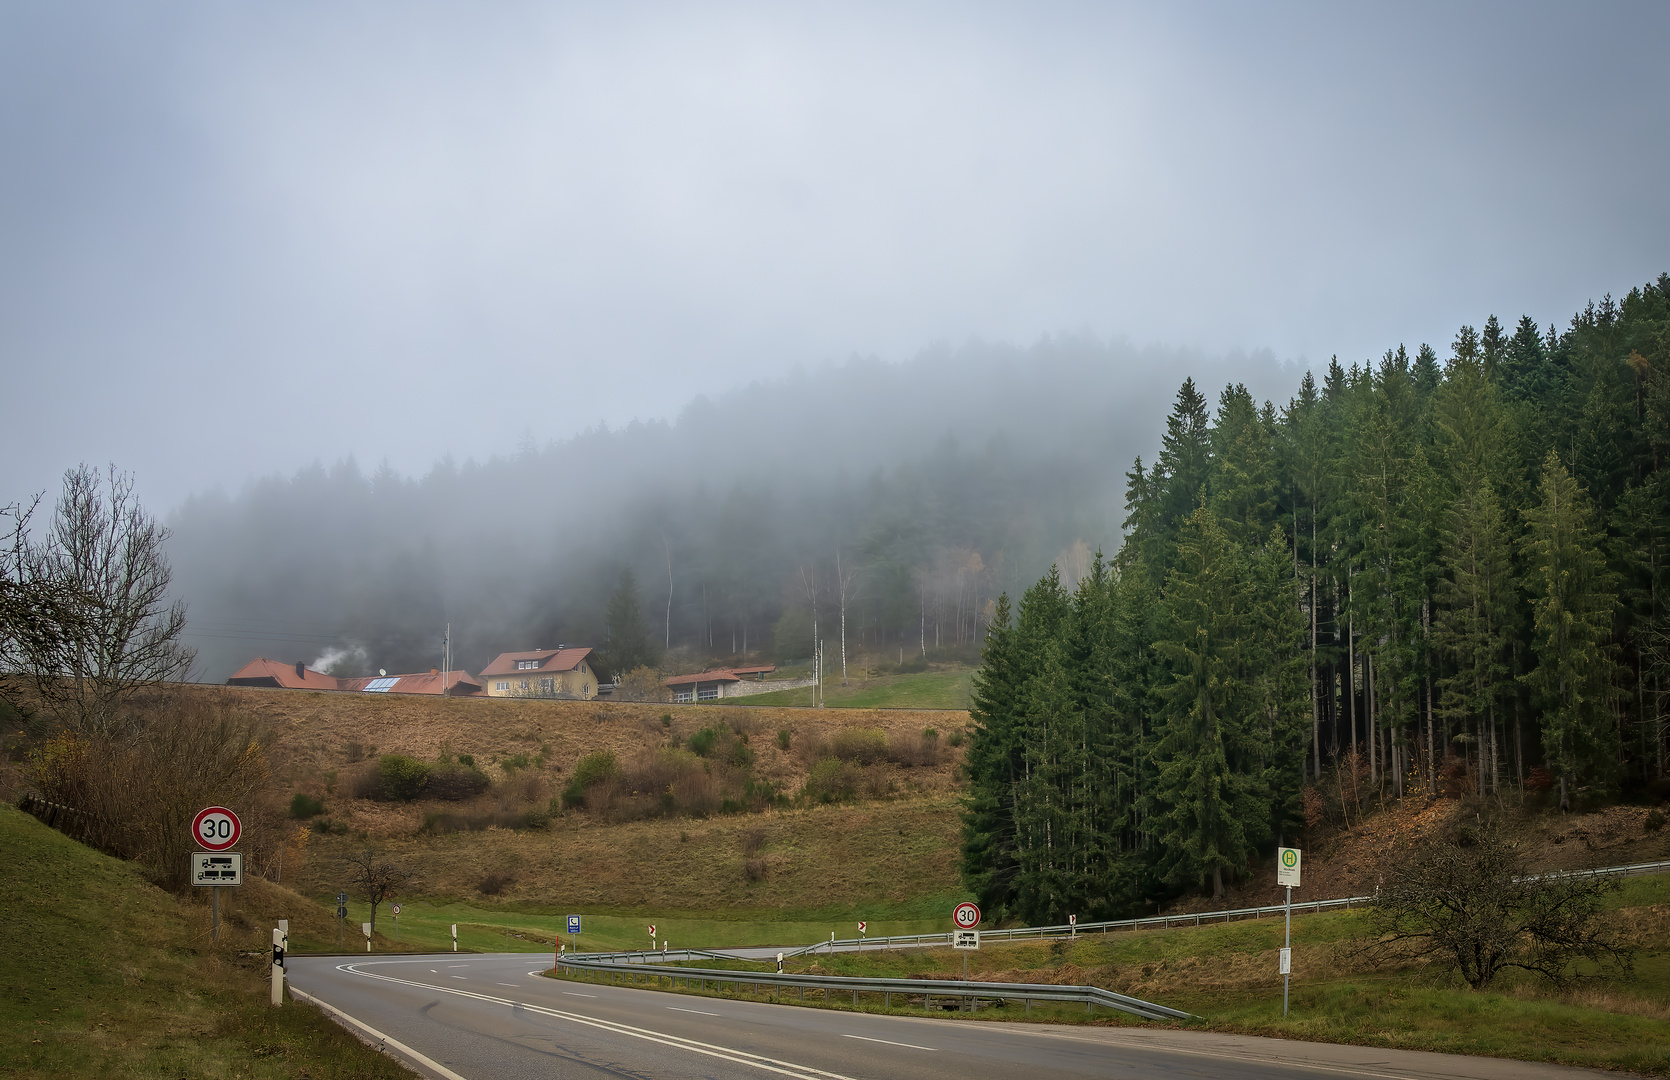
492	1017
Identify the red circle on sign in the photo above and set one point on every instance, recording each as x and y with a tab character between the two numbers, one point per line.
216	828
966	916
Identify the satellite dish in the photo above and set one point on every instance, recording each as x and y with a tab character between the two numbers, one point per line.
380	671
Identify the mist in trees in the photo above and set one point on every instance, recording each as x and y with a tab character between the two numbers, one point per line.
1444	577
909	495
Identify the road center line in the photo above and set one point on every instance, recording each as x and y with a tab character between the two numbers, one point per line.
571	993
890	1042
725	1053
698	1012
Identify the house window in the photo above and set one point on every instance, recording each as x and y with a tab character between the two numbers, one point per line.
710	692
547	686
681	697
502	687
524	684
527	665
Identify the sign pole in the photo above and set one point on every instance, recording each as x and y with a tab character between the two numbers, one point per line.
1287	947
1287	875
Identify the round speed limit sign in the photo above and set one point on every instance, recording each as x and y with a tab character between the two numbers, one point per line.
966	916
216	828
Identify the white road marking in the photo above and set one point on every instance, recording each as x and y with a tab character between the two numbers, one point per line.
432	971
890	1042
440	1070
516	985
458	977
571	993
698	1012
725	1053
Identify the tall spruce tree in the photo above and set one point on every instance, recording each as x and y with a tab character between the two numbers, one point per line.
1573	600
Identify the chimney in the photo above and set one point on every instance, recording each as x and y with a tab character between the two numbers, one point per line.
301	670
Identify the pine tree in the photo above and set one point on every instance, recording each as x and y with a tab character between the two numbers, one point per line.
1203	805
1573	601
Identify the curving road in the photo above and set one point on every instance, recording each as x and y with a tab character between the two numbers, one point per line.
492	1017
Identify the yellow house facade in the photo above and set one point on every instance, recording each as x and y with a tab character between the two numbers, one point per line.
543	673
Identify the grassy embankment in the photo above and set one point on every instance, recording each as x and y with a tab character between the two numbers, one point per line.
1226	975
947	689
103	975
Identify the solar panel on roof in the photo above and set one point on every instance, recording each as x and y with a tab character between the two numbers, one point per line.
381	686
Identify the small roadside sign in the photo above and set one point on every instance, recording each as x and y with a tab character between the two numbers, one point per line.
217	868
574	924
652	930
1287	867
862	926
966	916
1286	964
965	939
395	909
216	828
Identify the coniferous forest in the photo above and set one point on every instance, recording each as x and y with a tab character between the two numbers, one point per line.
1439	575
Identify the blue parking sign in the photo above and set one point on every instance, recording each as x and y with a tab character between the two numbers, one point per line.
574	924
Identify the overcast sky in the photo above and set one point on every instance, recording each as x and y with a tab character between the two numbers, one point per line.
238	237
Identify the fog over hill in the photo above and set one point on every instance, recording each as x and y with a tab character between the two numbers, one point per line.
938	483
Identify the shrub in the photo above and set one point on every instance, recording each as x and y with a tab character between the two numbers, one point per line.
702	742
589	771
955	738
831	780
910	750
456	782
401	778
495	882
1655	821
783	738
861	746
514	762
304	806
467	760
754	869
752	840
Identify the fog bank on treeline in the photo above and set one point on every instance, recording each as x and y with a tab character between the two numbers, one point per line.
939	483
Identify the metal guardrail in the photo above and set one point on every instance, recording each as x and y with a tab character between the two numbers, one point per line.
622	967
639	966
1199	918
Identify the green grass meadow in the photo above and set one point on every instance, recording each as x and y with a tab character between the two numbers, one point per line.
927	690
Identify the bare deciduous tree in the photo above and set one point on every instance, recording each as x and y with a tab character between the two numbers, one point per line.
374	878
102	557
1472	900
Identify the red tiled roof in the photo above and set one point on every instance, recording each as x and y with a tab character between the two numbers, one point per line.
757	669
264	672
550	660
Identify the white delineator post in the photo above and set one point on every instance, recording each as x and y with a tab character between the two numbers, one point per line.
454	937
279	939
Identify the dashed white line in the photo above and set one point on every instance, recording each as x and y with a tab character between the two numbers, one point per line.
457	977
890	1042
571	993
698	1012
516	985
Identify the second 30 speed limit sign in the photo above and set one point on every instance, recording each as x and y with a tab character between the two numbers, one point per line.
216	828
966	916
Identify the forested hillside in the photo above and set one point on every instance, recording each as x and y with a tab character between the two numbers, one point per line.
907	494
1434	574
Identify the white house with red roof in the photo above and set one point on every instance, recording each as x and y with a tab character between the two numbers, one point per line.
563	672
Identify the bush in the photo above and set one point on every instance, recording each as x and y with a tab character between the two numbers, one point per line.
1655	821
754	869
495	882
455	783
783	738
861	746
304	806
955	738
401	778
911	750
702	742
831	780
589	771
